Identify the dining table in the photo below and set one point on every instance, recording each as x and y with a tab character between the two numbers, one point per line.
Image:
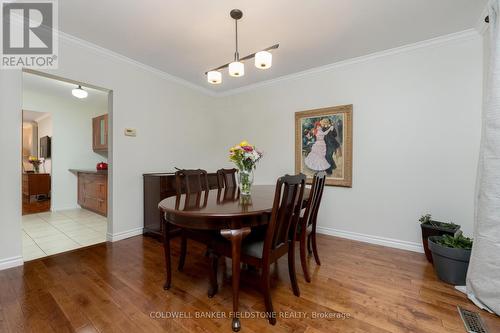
225	212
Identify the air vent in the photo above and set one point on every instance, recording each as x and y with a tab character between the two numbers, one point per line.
472	321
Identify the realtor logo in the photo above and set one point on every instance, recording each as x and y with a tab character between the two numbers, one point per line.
29	34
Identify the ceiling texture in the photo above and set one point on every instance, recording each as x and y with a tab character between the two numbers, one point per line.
187	38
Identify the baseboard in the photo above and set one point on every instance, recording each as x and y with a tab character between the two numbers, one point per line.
389	242
124	234
11	262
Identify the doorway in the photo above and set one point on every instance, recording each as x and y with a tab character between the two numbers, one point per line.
65	164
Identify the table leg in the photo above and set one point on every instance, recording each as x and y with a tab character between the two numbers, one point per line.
166	248
236	236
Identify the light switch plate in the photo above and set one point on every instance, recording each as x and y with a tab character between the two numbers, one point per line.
130	132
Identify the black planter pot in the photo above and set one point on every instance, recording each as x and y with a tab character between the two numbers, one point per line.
450	264
438	229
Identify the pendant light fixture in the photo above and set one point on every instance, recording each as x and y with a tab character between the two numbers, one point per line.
214	77
79	92
263	59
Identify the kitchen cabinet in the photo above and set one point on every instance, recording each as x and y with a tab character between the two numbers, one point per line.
93	190
100	133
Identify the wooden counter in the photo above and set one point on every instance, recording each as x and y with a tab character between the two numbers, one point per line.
93	190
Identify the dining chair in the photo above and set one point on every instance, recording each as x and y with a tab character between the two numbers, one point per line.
193	184
227	178
228	194
306	229
261	252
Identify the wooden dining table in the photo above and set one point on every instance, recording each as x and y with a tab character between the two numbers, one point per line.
226	212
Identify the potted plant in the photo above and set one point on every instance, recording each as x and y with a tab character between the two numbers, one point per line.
431	227
451	255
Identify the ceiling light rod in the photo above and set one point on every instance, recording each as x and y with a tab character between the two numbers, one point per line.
250	56
236	14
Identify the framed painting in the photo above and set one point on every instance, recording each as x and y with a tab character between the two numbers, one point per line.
323	142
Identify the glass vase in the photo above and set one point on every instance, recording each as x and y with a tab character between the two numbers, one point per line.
245	181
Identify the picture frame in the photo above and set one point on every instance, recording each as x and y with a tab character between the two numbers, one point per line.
323	142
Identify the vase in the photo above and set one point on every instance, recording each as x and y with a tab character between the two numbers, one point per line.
245	181
36	168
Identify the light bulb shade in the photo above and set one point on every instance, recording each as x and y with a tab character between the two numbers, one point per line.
79	92
214	77
263	59
236	69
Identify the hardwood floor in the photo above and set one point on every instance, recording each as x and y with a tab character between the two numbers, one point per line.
35	206
115	288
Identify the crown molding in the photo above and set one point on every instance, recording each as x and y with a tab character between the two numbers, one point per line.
437	41
111	54
461	35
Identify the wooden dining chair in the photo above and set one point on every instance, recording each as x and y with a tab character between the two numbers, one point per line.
228	194
227	178
193	184
261	252
306	229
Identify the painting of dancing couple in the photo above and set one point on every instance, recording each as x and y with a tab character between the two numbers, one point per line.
323	142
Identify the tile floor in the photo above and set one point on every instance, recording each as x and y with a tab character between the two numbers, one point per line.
54	232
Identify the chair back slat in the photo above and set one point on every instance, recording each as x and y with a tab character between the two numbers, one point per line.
315	196
320	179
286	209
228	194
226	178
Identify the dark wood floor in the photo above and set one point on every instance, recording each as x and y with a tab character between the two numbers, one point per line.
115	287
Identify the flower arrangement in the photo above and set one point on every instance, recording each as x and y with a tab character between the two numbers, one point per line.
35	162
245	157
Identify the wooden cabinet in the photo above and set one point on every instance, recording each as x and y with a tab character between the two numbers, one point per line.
93	191
158	186
100	133
36	184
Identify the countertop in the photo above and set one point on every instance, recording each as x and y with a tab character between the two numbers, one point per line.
104	172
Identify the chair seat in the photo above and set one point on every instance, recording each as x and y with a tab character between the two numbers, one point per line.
253	248
299	227
253	244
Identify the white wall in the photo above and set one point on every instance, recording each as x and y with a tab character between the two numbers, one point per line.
167	115
416	137
71	120
45	129
10	171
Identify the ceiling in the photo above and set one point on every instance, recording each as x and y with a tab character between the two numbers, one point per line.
186	38
62	90
33	116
